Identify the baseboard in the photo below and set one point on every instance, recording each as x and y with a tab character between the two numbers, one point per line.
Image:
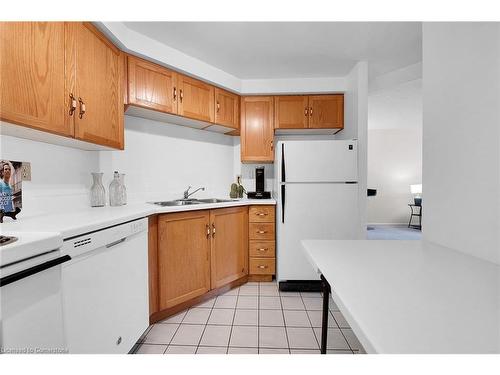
371	224
300	286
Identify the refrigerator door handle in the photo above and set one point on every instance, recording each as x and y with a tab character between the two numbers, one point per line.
283	189
283	176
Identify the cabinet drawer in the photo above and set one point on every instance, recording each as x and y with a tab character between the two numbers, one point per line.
262	249
262	266
261	214
261	231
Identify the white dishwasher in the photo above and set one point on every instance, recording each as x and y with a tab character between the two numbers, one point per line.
105	289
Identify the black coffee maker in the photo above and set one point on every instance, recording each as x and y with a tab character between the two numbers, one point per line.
259	192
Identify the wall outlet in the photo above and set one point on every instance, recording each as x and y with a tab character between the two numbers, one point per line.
26	171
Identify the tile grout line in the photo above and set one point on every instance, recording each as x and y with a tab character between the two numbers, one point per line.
175	331
284	322
308	318
205	327
232	322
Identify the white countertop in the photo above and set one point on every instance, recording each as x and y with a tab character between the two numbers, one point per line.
71	224
412	296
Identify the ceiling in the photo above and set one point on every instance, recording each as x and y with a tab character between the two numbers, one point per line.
399	107
251	50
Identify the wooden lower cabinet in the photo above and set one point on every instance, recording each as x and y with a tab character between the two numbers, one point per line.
229	259
183	257
193	254
262	243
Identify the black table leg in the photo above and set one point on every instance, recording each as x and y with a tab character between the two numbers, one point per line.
324	325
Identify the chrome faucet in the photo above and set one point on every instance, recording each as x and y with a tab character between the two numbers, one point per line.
187	194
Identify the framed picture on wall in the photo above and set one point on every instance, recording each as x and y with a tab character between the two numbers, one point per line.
11	195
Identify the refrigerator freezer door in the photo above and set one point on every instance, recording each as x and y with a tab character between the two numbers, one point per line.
313	211
317	161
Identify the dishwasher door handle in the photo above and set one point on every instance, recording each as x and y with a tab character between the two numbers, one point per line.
32	270
116	242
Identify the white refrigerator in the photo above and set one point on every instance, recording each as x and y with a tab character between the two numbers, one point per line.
317	198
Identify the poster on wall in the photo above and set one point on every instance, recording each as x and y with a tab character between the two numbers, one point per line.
11	197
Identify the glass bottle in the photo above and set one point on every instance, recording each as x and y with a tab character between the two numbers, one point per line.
115	191
124	189
97	192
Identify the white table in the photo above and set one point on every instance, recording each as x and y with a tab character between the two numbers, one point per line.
412	296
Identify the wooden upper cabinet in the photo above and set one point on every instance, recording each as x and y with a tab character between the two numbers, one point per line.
196	99
98	87
32	76
257	129
291	112
152	86
227	108
183	257
326	111
229	248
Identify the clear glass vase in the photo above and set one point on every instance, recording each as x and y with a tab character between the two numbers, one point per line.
97	192
124	189
115	191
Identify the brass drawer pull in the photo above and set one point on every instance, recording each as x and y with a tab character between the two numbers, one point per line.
213	230
181	95
263	249
261	231
218	107
310	111
175	94
261	213
208	230
306	111
262	267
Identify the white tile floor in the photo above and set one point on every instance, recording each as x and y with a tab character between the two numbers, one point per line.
255	318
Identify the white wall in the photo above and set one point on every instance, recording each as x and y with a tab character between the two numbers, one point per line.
356	126
394	163
160	160
461	137
60	176
394	150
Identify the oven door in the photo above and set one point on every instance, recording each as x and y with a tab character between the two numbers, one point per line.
31	306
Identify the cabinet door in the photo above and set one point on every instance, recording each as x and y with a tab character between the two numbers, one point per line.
229	251
326	111
291	112
196	99
32	76
183	257
98	80
227	108
257	130
152	86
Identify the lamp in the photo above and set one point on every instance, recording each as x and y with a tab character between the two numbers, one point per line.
416	190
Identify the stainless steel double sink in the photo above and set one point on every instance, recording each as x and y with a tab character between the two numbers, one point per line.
185	202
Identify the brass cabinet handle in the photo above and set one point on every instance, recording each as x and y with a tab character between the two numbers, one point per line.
218	107
261	231
272	145
208	230
306	111
181	95
263	249
310	111
261	213
175	94
82	108
262	267
213	230
72	106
